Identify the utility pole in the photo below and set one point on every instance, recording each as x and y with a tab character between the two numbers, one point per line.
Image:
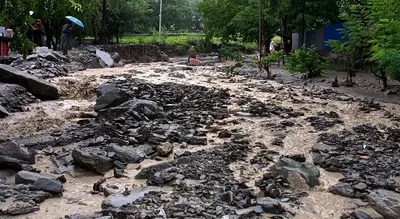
260	21
303	29
160	22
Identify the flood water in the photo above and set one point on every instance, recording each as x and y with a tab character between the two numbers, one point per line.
319	204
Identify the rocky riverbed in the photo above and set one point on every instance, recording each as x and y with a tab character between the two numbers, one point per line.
164	140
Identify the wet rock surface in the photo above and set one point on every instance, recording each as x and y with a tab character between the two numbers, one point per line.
39	88
26	199
214	183
14	98
386	203
365	155
13	155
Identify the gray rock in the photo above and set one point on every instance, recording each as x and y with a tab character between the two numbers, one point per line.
104	88
34	85
97	163
145	173
164	149
13	155
51	57
3	112
61	56
14	97
360	186
49	185
342	189
270	205
21	208
147	108
386	203
112	98
308	171
105	57
116	57
357	214
129	154
249	212
118	200
32	57
27	177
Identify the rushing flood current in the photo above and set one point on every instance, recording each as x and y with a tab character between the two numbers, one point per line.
78	90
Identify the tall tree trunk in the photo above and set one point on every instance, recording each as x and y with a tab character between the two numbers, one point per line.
104	27
117	34
285	34
303	28
95	31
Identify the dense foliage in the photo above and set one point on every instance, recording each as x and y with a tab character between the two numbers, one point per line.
371	39
238	20
355	46
105	20
306	61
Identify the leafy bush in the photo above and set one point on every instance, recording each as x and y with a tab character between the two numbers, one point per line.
306	60
231	52
267	61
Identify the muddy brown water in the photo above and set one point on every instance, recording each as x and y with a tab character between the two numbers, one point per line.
319	204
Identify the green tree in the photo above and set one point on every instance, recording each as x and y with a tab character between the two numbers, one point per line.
177	15
52	13
306	60
127	16
355	46
386	37
17	16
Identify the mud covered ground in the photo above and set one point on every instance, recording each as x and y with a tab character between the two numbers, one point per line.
202	144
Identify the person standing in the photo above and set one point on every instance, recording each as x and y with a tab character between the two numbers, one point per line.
38	33
66	37
219	48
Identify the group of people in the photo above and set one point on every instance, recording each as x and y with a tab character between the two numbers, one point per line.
36	34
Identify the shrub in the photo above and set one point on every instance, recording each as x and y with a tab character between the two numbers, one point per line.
306	61
230	52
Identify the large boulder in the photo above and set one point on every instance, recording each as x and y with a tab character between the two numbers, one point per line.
105	57
14	97
104	88
306	170
27	177
386	203
112	98
13	155
342	189
34	85
92	161
49	185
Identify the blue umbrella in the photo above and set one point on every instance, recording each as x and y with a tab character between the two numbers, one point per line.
75	21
